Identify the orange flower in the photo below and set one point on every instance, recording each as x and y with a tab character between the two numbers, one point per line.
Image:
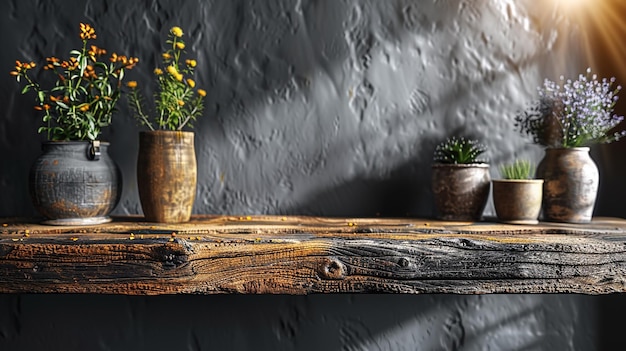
84	108
132	61
191	83
43	107
132	84
87	32
202	92
158	71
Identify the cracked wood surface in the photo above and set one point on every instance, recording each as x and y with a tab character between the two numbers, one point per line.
305	255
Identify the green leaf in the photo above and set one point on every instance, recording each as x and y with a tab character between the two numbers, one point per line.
25	89
62	105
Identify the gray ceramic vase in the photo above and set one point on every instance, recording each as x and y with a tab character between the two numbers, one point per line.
75	183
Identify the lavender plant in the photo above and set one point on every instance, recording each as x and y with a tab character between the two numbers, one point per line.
573	114
459	151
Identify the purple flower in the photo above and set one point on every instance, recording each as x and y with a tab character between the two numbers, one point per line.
575	113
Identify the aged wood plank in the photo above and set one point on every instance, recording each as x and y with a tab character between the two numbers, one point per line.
304	255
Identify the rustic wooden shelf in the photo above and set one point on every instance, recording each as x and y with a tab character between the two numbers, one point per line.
304	255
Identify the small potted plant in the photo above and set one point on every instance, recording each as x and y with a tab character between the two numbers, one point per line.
74	181
517	196
166	165
567	119
460	179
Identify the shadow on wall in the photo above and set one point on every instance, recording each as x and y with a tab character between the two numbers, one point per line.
316	322
400	192
311	105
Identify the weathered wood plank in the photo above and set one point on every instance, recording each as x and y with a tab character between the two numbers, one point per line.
303	255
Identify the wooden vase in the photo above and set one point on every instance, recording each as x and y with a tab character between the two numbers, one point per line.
166	175
570	187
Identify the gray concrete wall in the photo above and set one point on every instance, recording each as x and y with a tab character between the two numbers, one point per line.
314	107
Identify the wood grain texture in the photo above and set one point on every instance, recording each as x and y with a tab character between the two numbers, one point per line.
304	255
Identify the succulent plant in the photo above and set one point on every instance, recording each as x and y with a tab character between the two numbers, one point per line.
459	150
520	169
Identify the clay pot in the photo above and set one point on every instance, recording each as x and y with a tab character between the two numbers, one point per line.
75	183
570	187
166	175
460	191
517	201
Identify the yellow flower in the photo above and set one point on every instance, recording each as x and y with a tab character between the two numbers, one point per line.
202	92
172	70
158	71
177	31
180	45
181	103
166	56
179	77
87	32
132	84
191	63
191	83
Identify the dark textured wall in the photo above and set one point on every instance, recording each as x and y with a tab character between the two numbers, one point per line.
314	107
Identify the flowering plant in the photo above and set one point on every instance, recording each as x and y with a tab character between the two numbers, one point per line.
576	113
459	151
177	102
85	93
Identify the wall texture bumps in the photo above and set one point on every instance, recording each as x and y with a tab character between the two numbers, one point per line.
313	107
321	107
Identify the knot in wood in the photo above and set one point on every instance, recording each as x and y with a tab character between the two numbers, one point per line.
404	262
332	268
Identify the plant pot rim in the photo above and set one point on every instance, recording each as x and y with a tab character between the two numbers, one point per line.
517	181
461	165
577	148
72	142
162	131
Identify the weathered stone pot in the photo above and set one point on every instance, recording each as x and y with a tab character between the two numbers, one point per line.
166	175
460	191
75	183
570	187
517	201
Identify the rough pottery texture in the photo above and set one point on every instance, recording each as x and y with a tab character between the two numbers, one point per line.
518	201
570	185
68	187
461	191
166	175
